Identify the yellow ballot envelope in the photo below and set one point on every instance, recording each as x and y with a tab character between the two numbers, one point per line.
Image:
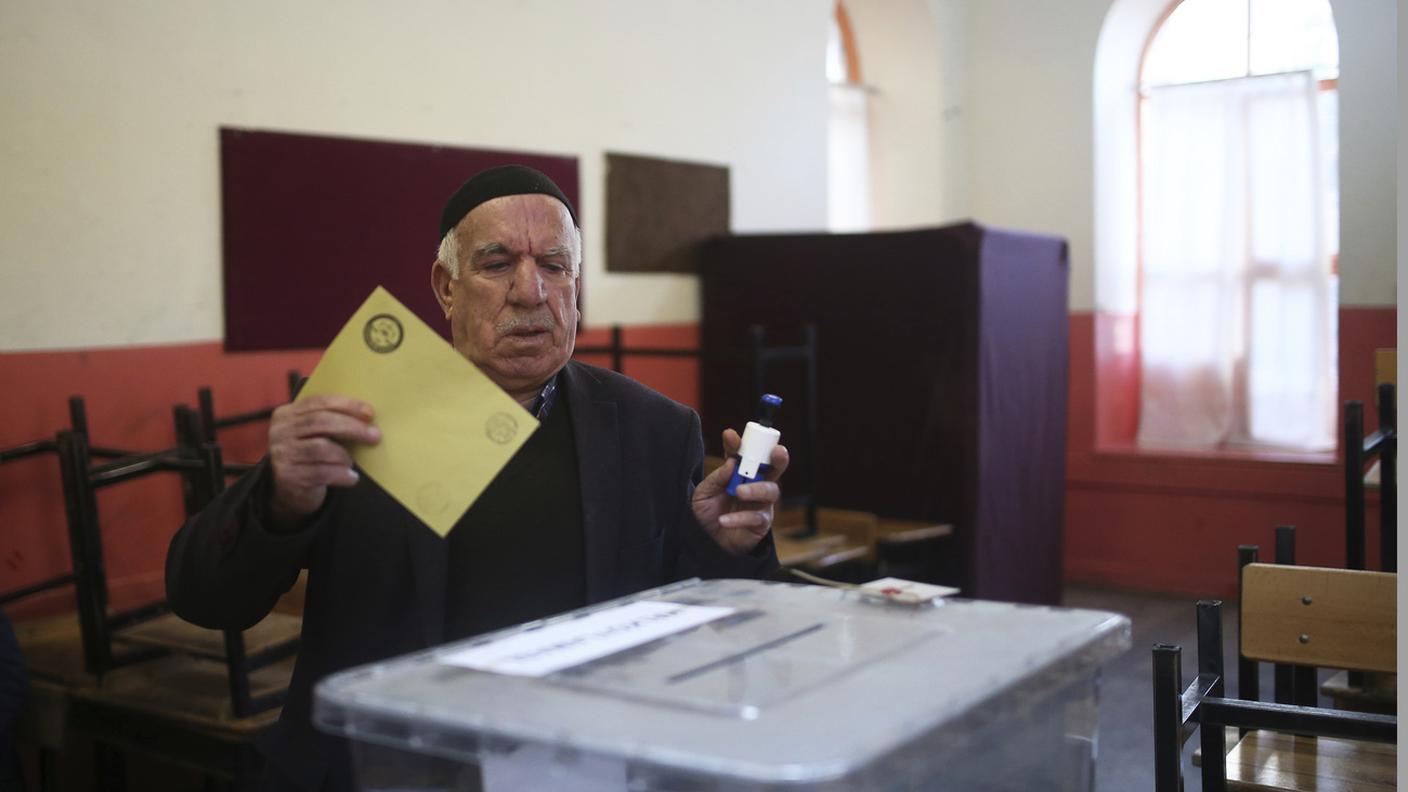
446	429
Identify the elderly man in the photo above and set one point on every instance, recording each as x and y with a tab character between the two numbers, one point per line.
601	501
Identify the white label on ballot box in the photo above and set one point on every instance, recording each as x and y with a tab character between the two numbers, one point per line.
555	647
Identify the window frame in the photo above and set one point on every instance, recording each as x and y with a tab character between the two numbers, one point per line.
1234	449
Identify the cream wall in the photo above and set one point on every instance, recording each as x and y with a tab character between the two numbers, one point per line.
913	60
1368	150
901	69
952	20
1030	125
983	109
109	209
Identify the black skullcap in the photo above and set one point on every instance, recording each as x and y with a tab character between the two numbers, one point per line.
496	183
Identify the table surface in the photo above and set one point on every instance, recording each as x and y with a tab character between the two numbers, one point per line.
795	552
856	534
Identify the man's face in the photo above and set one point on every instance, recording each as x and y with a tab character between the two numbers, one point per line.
513	308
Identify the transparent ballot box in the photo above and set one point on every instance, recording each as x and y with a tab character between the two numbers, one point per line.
740	685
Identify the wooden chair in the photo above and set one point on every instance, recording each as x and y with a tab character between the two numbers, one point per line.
1362	692
1291	684
1360	451
87	573
1355	689
142	679
78	423
202	425
1358	691
802	485
115	640
211	424
195	427
1301	616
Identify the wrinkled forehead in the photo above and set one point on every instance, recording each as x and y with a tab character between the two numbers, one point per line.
522	223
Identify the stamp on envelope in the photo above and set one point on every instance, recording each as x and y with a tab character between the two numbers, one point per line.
432	498
501	428
383	333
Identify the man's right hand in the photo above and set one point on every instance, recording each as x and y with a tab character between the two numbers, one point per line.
308	453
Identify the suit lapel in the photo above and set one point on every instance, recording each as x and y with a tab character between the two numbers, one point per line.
595	430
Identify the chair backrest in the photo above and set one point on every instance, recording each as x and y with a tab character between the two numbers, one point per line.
1314	616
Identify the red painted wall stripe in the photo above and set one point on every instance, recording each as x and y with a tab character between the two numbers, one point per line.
129	395
1172	523
1141	521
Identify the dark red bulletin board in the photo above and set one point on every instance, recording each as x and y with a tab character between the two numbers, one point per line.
312	224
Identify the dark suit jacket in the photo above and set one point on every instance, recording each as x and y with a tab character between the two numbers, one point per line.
377	576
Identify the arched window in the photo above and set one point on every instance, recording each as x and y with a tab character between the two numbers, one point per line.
848	132
1238	226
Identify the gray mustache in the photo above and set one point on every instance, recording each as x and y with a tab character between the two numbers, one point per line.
533	321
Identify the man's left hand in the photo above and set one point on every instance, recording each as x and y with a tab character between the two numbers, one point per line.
738	524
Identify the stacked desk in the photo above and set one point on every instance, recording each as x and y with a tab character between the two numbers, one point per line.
175	708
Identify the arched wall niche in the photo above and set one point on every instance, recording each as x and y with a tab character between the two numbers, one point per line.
1118	52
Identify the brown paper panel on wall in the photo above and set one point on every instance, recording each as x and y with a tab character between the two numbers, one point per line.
311	224
658	211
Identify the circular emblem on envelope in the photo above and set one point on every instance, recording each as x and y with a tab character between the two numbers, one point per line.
501	428
382	333
432	498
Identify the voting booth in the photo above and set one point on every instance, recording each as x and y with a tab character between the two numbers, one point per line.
740	685
966	327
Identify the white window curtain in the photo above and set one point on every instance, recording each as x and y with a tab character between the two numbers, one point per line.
1237	300
848	159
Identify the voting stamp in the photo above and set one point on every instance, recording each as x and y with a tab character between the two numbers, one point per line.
432	498
383	333
501	428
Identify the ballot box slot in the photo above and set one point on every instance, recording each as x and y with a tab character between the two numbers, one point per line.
734	658
739	669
